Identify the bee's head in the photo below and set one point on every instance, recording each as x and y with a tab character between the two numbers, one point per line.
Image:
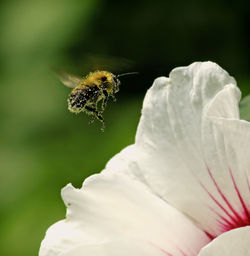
111	81
116	83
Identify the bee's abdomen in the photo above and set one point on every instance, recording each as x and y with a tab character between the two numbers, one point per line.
77	101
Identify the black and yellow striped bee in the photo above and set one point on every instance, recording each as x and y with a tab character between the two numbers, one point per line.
87	92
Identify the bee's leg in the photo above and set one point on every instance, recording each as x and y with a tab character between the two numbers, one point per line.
105	100
94	111
92	119
113	94
115	89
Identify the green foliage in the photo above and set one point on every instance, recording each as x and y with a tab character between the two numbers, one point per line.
245	108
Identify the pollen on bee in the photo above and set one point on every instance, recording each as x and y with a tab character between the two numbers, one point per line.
76	101
89	91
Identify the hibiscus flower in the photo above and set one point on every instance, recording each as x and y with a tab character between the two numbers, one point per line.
183	188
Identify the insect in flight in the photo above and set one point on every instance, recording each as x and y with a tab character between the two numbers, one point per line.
87	92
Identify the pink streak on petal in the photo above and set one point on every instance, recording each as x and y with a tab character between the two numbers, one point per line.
236	218
221	217
183	253
219	204
161	249
167	253
224	198
210	235
246	210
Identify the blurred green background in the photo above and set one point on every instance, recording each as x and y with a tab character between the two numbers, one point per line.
43	146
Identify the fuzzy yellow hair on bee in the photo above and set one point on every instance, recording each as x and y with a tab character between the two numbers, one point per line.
87	92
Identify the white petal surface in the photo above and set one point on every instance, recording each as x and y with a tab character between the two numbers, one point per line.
180	153
232	243
112	206
116	248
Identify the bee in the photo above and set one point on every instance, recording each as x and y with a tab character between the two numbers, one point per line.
87	92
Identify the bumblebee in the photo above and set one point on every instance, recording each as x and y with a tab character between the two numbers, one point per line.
87	92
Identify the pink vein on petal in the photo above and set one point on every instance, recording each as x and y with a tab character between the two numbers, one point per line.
219	204
161	249
180	250
221	217
209	235
167	253
246	210
235	219
224	197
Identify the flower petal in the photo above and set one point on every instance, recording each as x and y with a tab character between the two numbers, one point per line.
111	206
117	247
182	152
235	242
236	136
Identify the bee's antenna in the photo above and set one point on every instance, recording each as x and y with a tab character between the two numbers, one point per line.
125	74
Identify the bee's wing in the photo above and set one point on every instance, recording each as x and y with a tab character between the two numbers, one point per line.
67	79
106	62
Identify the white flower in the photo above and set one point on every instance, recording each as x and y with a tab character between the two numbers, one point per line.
182	189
